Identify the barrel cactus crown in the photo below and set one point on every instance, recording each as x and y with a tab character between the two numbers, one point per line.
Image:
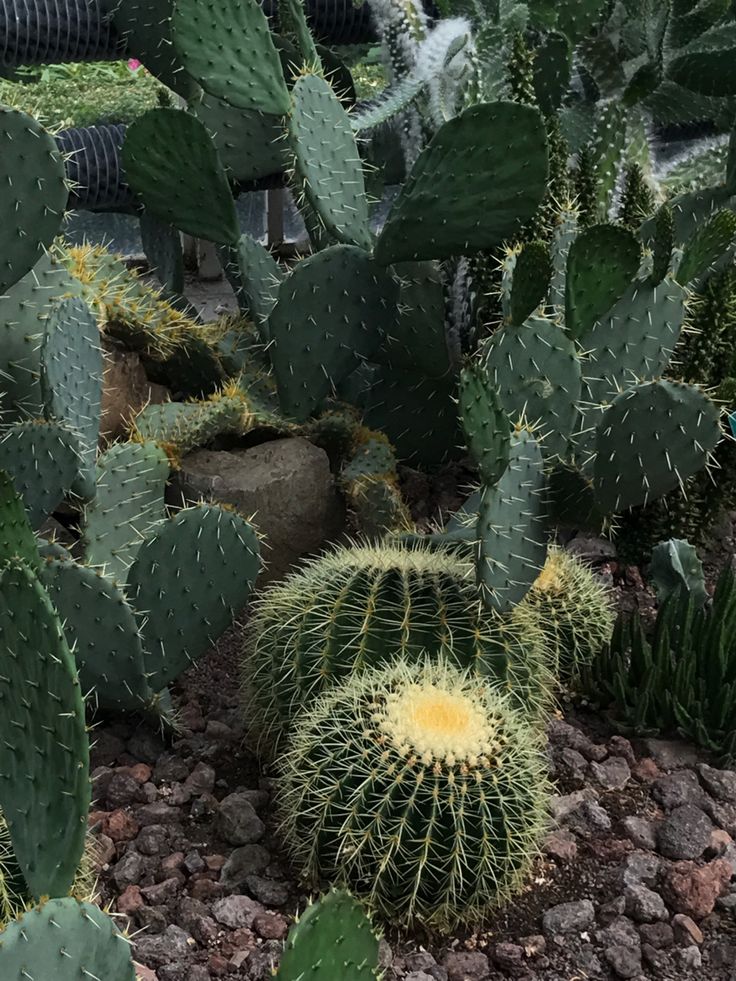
421	788
365	605
575	611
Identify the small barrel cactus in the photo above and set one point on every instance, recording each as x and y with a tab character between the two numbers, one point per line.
574	609
361	606
419	787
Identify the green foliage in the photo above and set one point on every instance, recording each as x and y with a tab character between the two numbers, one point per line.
675	565
359	607
66	940
384	777
682	678
331	939
485	423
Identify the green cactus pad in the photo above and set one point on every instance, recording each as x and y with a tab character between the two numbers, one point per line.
162	247
24	310
675	565
709	243
663	242
418	340
179	427
706	64
328	167
34	196
330	314
512	531
16	535
172	164
564	236
65	940
42	458
634	341
145	26
71	381
537	373
532	273
552	67
332	939
405	778
131	480
651	439
485	423
374	457
482	176
103	631
576	18
227	46
191	576
359	607
250	144
602	261
44	776
255	277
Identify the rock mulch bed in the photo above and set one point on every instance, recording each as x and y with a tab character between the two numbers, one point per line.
637	879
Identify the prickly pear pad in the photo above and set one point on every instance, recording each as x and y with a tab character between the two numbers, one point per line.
331	939
512	528
131	480
34	194
482	176
44	773
43	460
327	162
227	46
64	940
330	314
192	575
651	439
485	423
71	381
103	631
171	162
16	537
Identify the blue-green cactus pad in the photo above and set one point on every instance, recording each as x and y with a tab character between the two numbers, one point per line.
43	460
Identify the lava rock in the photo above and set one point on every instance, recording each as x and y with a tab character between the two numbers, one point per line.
644	905
270	892
238	822
686	930
243	862
466	965
685	833
721	784
612	774
561	846
676	789
640	831
671	754
153	840
692	890
569	918
236	911
129	870
589	819
172	945
624	961
661	936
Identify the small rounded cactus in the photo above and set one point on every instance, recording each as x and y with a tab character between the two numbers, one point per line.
362	606
574	610
419	787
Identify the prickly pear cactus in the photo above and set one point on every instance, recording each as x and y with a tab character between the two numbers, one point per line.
332	939
44	776
43	460
34	195
65	940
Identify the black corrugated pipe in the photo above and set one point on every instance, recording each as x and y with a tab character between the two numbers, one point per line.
95	170
36	32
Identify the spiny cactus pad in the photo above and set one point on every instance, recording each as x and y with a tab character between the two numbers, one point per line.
131	480
332	939
330	314
485	423
536	371
532	272
44	776
420	788
575	611
481	177
16	535
71	381
254	276
65	940
34	194
328	167
103	631
651	439
191	576
227	46
172	164
601	263
43	460
418	340
706	246
179	427
250	144
512	530
358	607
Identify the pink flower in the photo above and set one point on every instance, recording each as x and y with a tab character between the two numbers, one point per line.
134	64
